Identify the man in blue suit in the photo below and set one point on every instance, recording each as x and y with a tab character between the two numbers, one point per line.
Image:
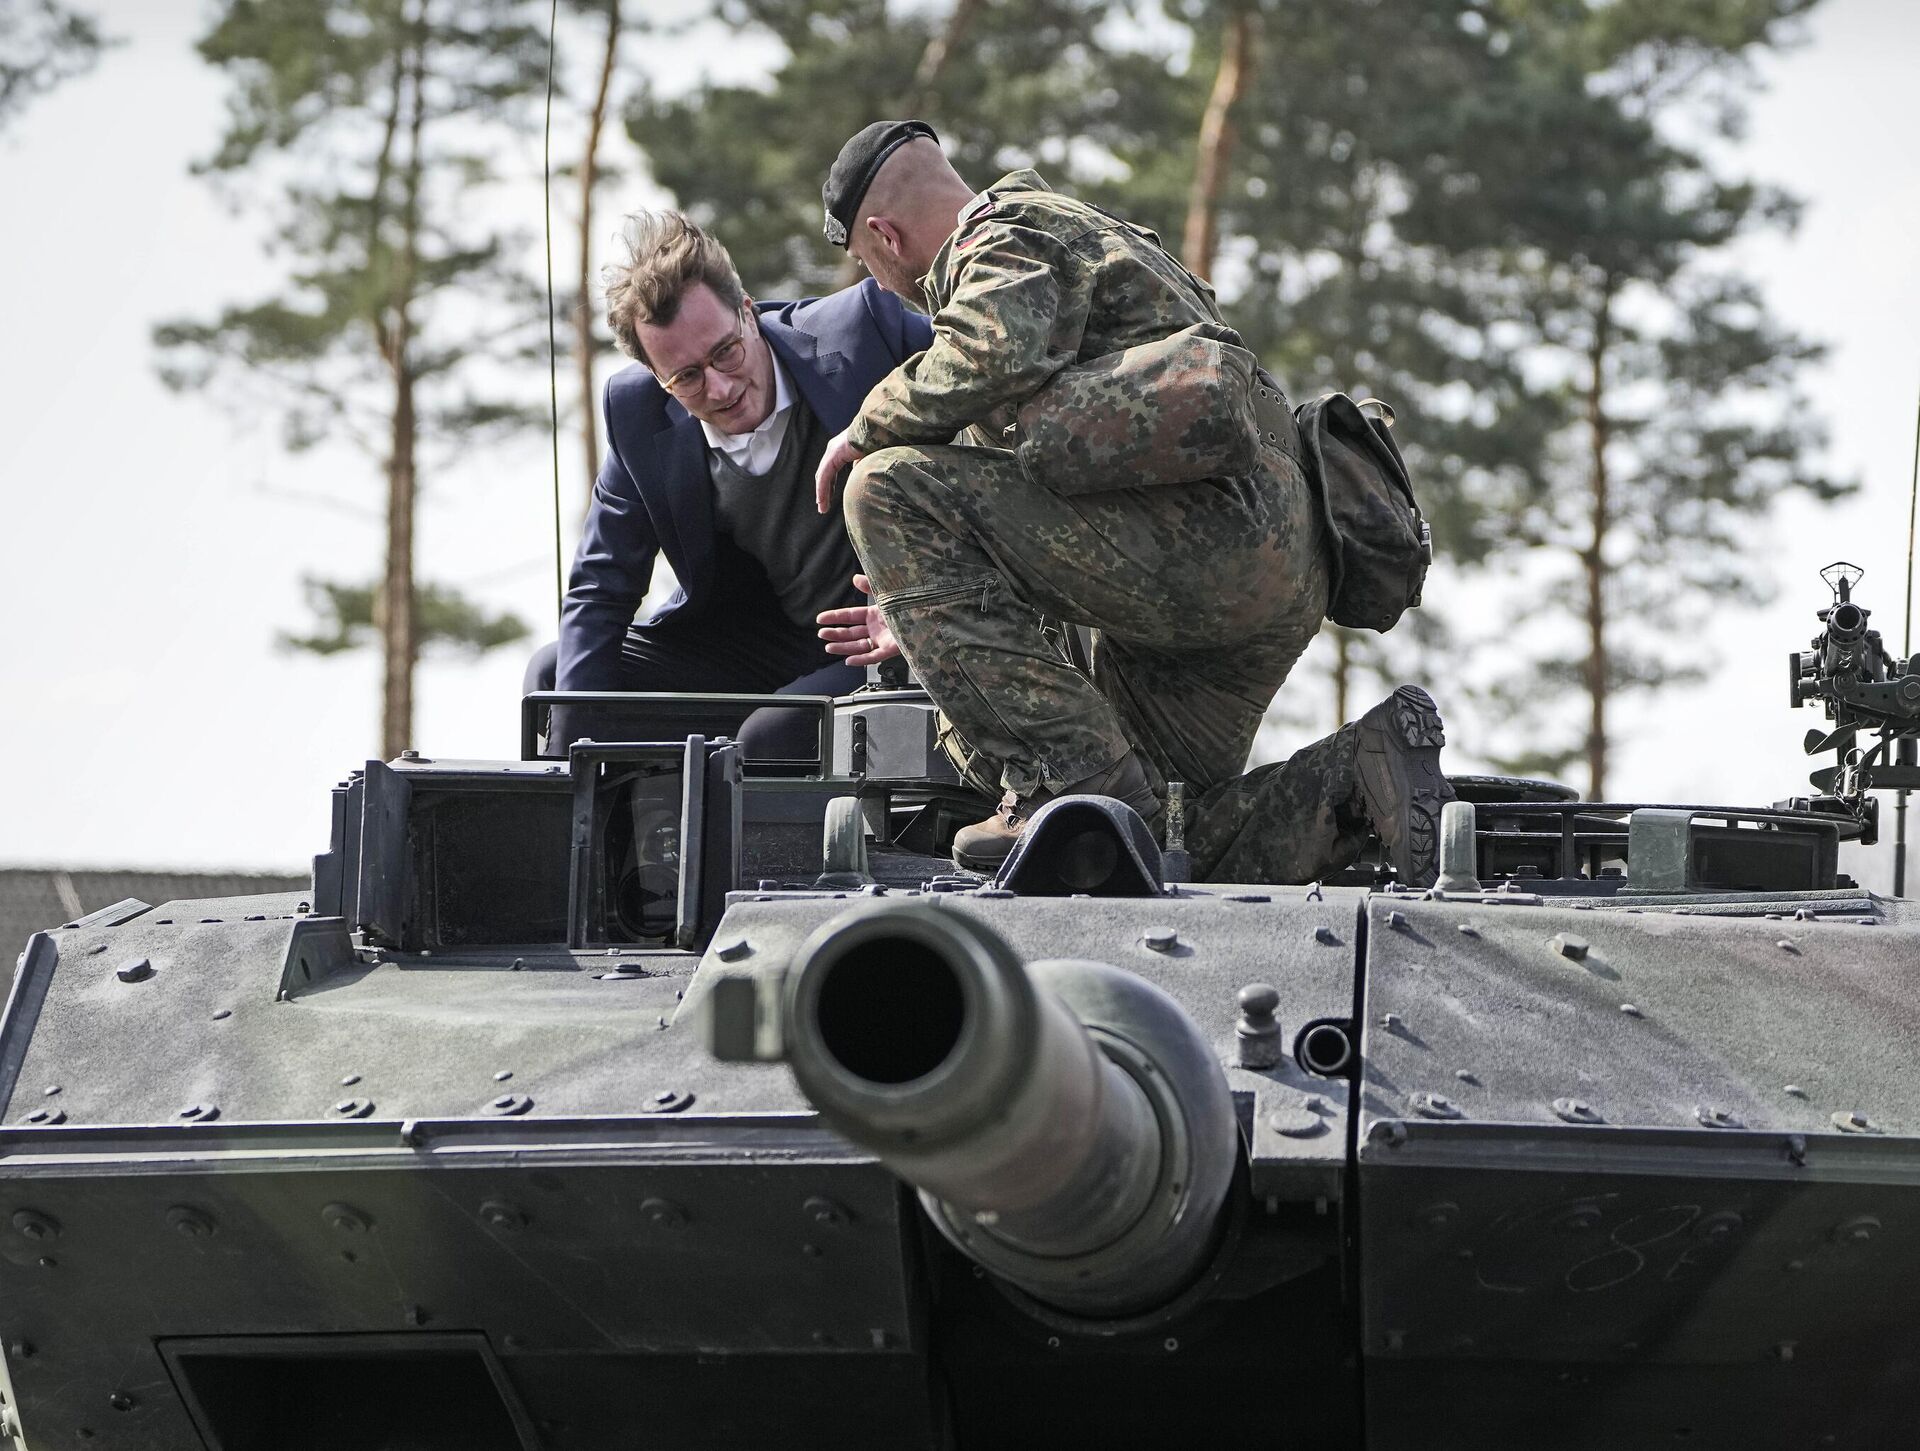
712	443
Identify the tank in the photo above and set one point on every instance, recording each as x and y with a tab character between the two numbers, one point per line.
658	1097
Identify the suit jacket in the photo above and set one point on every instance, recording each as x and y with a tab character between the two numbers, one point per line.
655	494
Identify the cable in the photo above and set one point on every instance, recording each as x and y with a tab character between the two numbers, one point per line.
553	360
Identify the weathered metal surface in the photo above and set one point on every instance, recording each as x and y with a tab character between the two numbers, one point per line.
423	1034
1642	1222
1725	1014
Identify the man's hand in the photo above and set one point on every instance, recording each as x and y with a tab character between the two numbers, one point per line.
858	632
840	454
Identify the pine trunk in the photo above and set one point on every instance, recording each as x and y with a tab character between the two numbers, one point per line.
399	625
939	51
584	347
1596	671
1201	237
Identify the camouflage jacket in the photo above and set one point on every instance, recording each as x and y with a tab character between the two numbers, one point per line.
1030	282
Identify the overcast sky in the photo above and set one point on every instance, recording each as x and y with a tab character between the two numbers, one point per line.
150	547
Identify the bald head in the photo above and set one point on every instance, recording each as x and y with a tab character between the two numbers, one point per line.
908	212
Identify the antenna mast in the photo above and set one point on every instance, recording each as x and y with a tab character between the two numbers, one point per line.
1905	748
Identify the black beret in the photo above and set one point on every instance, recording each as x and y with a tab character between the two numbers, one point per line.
856	166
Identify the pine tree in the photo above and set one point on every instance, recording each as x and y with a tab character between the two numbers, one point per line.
1683	420
1350	115
42	43
1005	84
370	120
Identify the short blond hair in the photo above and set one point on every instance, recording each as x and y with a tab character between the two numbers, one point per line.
667	253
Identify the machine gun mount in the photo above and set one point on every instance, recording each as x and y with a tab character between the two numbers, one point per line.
1863	687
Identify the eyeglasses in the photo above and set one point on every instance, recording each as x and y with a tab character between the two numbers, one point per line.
691	382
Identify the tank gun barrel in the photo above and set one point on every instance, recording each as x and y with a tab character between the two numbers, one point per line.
1066	1124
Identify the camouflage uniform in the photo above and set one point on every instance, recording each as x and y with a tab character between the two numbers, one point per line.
1201	595
1292	821
1309	816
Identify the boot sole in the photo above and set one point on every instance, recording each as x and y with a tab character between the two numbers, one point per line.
980	866
1400	763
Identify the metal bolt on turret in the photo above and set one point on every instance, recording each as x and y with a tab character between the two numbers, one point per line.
504	1216
190	1222
345	1218
1302	1122
663	1213
822	1210
1857	1230
1257	1033
35	1225
1390	1132
1577	1111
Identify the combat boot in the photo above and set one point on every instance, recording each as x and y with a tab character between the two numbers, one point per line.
1400	786
983	846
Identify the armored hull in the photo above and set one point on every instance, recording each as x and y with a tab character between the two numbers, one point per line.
1611	1142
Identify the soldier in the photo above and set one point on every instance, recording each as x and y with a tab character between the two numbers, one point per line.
1201	594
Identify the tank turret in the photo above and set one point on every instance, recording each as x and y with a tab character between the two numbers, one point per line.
663	1093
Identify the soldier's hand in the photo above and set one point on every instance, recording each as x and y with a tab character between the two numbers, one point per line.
840	454
858	632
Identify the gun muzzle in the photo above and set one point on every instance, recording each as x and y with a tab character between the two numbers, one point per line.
1066	1124
1846	623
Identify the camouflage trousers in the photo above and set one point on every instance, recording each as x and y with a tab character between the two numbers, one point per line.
1200	597
1297	820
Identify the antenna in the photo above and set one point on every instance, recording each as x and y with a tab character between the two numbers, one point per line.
1905	747
553	363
